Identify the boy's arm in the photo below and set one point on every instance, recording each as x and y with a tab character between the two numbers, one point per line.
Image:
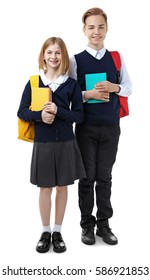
124	88
125	81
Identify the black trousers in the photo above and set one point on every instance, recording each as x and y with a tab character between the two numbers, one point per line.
98	146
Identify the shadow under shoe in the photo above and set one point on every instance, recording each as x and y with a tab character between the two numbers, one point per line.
88	236
44	242
58	242
106	234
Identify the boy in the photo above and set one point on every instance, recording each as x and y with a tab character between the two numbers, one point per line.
98	135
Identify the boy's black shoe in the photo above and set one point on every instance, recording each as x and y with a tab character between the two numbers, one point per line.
106	234
88	236
58	242
44	242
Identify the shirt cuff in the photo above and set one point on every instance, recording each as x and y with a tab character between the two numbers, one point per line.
83	97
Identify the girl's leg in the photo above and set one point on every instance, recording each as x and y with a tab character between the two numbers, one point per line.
45	205
60	204
44	242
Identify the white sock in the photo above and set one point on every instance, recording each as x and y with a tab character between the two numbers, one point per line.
57	228
47	228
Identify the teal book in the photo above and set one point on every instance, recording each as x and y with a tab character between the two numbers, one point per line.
91	80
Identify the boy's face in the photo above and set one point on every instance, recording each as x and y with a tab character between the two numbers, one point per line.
95	29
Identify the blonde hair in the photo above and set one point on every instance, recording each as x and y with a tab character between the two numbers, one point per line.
64	66
93	12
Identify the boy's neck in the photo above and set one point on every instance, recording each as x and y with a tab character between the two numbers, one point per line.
96	47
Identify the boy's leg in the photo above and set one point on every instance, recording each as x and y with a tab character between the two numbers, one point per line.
88	146
106	158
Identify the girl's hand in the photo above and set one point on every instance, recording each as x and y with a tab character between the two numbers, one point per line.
50	107
47	117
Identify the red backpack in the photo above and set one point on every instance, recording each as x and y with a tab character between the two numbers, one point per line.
124	109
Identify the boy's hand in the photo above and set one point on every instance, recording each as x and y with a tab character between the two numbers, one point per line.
97	94
101	95
107	86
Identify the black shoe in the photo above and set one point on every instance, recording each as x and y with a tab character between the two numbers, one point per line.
107	235
88	236
43	244
58	242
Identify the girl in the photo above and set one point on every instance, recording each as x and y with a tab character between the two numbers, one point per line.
56	160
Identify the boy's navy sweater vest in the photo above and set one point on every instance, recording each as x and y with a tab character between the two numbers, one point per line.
99	113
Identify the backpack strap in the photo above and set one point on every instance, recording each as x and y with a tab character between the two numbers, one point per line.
34	81
124	108
26	129
116	58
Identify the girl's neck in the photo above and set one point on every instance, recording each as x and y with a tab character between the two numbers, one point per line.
52	75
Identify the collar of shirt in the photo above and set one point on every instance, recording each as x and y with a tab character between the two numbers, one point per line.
93	52
53	84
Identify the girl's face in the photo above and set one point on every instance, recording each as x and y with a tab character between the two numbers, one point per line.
95	29
53	56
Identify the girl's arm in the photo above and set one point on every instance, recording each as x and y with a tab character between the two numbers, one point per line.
24	111
75	112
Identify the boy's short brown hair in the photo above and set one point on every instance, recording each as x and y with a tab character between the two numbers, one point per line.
93	11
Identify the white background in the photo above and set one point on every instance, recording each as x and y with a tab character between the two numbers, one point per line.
25	25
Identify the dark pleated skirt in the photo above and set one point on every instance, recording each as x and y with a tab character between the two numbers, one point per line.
56	164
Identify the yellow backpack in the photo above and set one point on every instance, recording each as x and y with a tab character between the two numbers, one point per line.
26	129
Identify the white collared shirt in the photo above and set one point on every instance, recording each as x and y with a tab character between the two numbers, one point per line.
97	54
53	84
125	81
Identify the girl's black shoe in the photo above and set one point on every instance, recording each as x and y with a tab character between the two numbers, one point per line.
44	242
58	242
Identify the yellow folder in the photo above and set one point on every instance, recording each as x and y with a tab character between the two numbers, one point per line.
39	97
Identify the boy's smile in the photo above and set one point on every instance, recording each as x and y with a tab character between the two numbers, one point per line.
95	29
